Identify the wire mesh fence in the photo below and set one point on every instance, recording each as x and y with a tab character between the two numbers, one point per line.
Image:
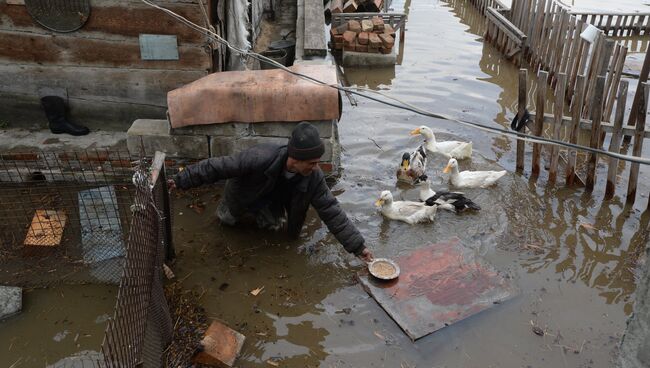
96	216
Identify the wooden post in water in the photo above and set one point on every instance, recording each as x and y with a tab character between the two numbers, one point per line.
523	92
542	83
596	118
639	135
615	142
643	77
576	115
558	112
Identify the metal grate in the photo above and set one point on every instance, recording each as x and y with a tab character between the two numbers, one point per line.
93	217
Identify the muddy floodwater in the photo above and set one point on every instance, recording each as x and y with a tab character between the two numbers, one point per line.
572	255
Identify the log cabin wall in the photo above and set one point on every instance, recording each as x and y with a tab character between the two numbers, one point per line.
100	65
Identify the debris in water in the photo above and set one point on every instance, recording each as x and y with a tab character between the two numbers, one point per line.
190	323
273	362
538	331
168	272
255	292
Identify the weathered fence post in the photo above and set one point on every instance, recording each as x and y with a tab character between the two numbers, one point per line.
558	112
576	116
615	142
596	118
639	135
542	83
523	92
643	77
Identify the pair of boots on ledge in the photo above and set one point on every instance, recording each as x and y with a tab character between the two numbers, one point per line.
54	107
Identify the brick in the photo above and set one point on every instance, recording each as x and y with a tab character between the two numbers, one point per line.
349	37
338	46
354	26
361	48
385	50
350	6
387	40
374	40
342	28
338	39
223	146
377	24
389	30
284	129
349	48
213	129
336	6
221	346
373	50
363	38
366	25
155	139
334	32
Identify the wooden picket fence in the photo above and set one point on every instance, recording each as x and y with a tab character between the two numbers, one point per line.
572	125
617	24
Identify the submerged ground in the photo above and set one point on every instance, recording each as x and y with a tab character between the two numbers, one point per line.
572	255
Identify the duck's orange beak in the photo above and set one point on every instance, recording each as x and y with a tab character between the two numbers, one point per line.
379	203
447	169
415	131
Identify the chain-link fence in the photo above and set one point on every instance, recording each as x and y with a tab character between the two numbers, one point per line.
93	217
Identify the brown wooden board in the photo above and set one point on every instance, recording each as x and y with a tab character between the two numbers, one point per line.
439	284
46	229
67	50
112	19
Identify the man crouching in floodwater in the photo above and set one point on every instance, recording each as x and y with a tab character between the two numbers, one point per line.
277	184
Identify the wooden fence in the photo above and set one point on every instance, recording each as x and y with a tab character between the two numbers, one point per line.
544	34
617	24
572	126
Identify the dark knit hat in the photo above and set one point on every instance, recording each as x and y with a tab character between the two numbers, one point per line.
305	143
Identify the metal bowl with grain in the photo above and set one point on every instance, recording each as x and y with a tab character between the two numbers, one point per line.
384	269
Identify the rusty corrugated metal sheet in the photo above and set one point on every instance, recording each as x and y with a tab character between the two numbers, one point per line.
439	285
255	96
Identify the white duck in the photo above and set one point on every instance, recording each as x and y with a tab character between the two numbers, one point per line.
451	149
471	179
413	165
409	212
450	201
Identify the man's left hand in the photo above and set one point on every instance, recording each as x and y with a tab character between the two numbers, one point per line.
366	255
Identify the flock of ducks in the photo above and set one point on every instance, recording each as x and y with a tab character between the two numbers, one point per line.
412	170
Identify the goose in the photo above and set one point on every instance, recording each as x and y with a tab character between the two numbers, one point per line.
407	211
450	201
451	149
413	165
471	179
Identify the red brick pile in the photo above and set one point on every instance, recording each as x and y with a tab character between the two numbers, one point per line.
368	35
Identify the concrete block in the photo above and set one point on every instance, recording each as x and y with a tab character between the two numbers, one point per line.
221	346
352	58
314	43
154	135
230	129
11	301
366	25
224	146
325	128
149	127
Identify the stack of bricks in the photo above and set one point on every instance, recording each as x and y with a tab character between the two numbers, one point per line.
368	35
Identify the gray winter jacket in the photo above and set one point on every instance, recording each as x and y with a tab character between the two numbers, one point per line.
251	176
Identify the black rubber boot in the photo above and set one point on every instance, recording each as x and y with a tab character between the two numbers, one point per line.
54	107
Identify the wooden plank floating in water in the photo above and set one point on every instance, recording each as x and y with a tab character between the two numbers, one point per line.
46	229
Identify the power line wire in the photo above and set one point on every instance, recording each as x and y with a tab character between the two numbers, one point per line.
403	105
